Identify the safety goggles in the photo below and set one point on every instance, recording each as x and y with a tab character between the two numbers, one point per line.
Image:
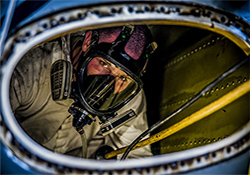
105	85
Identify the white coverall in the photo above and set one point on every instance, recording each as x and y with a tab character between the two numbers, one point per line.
49	123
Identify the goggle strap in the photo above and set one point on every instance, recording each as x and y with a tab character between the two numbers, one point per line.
150	49
124	36
94	38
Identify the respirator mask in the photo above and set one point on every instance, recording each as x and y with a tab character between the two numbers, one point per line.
107	78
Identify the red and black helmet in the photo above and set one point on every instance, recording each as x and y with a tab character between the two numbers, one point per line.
135	38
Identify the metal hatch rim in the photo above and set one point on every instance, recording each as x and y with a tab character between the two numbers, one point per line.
16	131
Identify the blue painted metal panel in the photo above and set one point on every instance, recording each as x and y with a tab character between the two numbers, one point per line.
12	165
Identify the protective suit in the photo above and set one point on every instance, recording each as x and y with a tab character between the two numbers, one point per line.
49	123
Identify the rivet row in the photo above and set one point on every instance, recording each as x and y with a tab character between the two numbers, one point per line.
196	50
215	89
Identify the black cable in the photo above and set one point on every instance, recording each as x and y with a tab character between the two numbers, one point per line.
196	97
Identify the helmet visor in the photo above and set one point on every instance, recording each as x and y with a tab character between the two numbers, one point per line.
106	86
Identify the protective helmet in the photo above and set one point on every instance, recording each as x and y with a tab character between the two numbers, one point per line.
98	91
107	75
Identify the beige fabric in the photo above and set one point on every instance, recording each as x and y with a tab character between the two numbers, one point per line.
125	134
49	123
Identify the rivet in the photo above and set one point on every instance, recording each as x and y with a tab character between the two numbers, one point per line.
113	10
223	19
228	149
206	156
28	33
53	22
130	9
62	19
173	165
197	11
198	159
162	9
214	154
165	167
80	15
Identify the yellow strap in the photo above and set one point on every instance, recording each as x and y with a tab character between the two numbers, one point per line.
202	113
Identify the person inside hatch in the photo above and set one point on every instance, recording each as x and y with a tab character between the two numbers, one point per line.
77	93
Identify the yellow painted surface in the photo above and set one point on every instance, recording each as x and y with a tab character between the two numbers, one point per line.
202	113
